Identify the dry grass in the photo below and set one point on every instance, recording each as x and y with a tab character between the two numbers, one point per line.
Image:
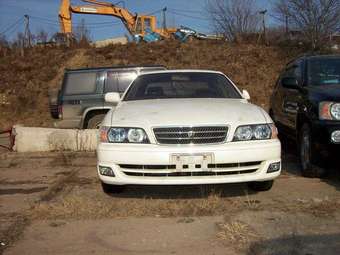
251	204
236	233
90	202
25	81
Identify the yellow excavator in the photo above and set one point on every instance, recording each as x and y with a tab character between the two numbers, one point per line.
138	25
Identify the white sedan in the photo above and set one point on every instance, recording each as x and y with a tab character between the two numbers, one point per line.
184	127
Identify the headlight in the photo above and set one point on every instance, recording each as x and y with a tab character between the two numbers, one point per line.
135	135
123	135
255	132
262	132
335	111
329	111
117	135
243	133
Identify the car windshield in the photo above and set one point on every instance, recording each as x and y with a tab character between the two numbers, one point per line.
323	71
181	85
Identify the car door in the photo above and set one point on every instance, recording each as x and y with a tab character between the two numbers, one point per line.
292	97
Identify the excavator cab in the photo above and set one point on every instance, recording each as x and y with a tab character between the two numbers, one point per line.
145	23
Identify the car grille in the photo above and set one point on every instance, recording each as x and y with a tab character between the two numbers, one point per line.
222	169
191	135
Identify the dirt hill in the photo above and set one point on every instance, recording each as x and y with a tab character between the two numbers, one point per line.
25	81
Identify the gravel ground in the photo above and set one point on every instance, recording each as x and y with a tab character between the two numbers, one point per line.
52	203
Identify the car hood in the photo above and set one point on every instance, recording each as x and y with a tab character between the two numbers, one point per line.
325	93
186	112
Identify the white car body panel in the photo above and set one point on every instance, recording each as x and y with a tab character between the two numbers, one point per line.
148	114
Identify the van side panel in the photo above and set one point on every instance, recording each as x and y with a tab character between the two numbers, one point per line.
82	90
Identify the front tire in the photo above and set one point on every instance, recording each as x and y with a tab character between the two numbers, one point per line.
261	186
95	121
112	189
308	154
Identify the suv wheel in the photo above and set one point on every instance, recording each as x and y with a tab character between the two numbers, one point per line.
112	189
307	154
95	121
261	186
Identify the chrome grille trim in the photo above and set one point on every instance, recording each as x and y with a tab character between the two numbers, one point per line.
189	174
191	135
170	170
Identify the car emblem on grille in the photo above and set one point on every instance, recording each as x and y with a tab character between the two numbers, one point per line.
191	134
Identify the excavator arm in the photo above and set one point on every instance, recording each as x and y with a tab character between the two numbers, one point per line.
101	8
135	24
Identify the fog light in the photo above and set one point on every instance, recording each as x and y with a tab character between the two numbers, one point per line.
335	137
273	167
104	170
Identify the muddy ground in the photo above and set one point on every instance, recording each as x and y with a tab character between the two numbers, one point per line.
52	203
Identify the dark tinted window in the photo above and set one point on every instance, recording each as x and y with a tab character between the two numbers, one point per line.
323	71
181	85
294	70
80	83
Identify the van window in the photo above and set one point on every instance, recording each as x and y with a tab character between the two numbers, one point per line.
125	79
80	83
111	84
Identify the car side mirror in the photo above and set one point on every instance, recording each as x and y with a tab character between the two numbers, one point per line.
112	97
290	83
245	94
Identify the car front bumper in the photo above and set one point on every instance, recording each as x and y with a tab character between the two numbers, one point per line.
150	164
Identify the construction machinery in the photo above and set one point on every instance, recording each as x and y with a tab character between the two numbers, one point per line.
139	26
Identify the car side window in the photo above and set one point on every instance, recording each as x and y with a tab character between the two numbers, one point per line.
294	70
298	71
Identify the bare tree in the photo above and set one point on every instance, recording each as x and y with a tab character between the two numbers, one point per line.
4	45
19	41
234	18
315	19
82	33
42	36
3	41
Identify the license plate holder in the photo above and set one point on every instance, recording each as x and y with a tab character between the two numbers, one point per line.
191	160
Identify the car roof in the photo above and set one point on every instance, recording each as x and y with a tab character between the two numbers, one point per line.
312	56
182	71
113	67
323	56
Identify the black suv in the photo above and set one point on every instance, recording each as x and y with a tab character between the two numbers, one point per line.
305	106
